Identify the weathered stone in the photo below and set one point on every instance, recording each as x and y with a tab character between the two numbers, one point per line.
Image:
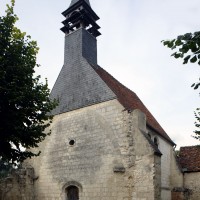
18	186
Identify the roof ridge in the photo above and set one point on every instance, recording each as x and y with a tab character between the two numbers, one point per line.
130	100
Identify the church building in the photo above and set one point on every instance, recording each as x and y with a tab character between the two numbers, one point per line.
104	143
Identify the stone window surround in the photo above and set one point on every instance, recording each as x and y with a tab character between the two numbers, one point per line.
68	184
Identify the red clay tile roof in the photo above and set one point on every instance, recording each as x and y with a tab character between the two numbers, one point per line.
131	101
189	158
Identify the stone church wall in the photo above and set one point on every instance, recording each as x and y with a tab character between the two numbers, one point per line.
171	175
192	183
165	148
18	185
102	150
147	179
176	177
166	168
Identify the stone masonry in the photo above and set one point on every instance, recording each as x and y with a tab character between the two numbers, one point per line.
19	185
110	158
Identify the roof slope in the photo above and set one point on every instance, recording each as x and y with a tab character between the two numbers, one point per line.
189	158
131	101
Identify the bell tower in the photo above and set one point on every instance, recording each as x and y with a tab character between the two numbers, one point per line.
80	30
78	85
80	14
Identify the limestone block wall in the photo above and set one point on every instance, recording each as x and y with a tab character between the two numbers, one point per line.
18	185
171	175
192	182
147	166
166	165
165	149
176	177
102	150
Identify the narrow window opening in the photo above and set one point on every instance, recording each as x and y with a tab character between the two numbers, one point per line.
155	141
72	193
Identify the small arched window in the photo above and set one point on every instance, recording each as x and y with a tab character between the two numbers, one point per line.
72	193
155	140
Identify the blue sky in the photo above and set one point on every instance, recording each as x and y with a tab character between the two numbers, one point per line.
130	49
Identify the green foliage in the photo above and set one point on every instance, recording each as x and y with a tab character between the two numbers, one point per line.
187	47
24	100
177	152
197	124
5	169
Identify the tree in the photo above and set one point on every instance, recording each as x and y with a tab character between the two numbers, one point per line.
24	101
187	47
5	169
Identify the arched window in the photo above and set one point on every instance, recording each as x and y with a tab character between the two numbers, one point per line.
155	141
72	193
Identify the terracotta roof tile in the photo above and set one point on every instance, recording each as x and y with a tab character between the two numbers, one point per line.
189	158
131	101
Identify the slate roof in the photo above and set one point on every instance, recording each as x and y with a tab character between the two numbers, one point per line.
81	84
189	158
131	101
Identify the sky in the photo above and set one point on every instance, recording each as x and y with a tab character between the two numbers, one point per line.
130	49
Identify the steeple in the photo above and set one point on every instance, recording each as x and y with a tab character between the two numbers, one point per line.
80	14
82	82
75	1
78	85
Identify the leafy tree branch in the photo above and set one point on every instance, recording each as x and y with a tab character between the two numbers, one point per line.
187	47
24	100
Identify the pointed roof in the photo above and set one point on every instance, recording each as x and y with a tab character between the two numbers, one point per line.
82	84
79	86
75	1
131	101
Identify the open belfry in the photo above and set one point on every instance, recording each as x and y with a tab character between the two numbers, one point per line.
104	143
